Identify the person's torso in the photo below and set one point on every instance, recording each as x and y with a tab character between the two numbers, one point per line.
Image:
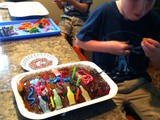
114	27
70	10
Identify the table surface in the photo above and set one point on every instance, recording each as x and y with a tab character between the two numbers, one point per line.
11	54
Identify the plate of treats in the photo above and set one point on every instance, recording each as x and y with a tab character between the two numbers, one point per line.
52	91
38	61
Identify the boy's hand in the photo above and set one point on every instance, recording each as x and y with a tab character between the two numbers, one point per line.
55	1
119	48
69	1
151	47
58	3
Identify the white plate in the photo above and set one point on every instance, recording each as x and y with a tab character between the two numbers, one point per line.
31	115
25	9
5	5
28	59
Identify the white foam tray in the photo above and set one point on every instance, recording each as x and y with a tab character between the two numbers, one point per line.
26	9
31	115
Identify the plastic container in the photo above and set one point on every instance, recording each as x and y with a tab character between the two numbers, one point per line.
24	35
30	115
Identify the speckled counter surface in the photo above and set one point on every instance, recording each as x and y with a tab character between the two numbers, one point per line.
11	54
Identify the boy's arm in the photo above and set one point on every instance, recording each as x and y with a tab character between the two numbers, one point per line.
82	7
112	47
58	3
152	51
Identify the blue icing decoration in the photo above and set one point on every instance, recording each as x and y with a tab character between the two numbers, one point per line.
29	96
34	82
66	79
56	79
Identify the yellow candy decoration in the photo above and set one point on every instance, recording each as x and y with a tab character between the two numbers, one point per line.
70	96
85	94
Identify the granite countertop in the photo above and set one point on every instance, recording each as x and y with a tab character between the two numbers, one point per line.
11	54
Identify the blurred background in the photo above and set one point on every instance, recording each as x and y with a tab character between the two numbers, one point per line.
55	12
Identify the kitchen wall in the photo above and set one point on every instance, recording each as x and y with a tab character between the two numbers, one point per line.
55	12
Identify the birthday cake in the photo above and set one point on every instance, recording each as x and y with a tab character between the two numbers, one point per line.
58	88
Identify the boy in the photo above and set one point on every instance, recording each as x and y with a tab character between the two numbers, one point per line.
75	13
114	32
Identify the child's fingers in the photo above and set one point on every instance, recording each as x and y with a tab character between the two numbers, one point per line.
150	48
128	47
126	52
54	1
148	45
152	42
145	48
62	0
